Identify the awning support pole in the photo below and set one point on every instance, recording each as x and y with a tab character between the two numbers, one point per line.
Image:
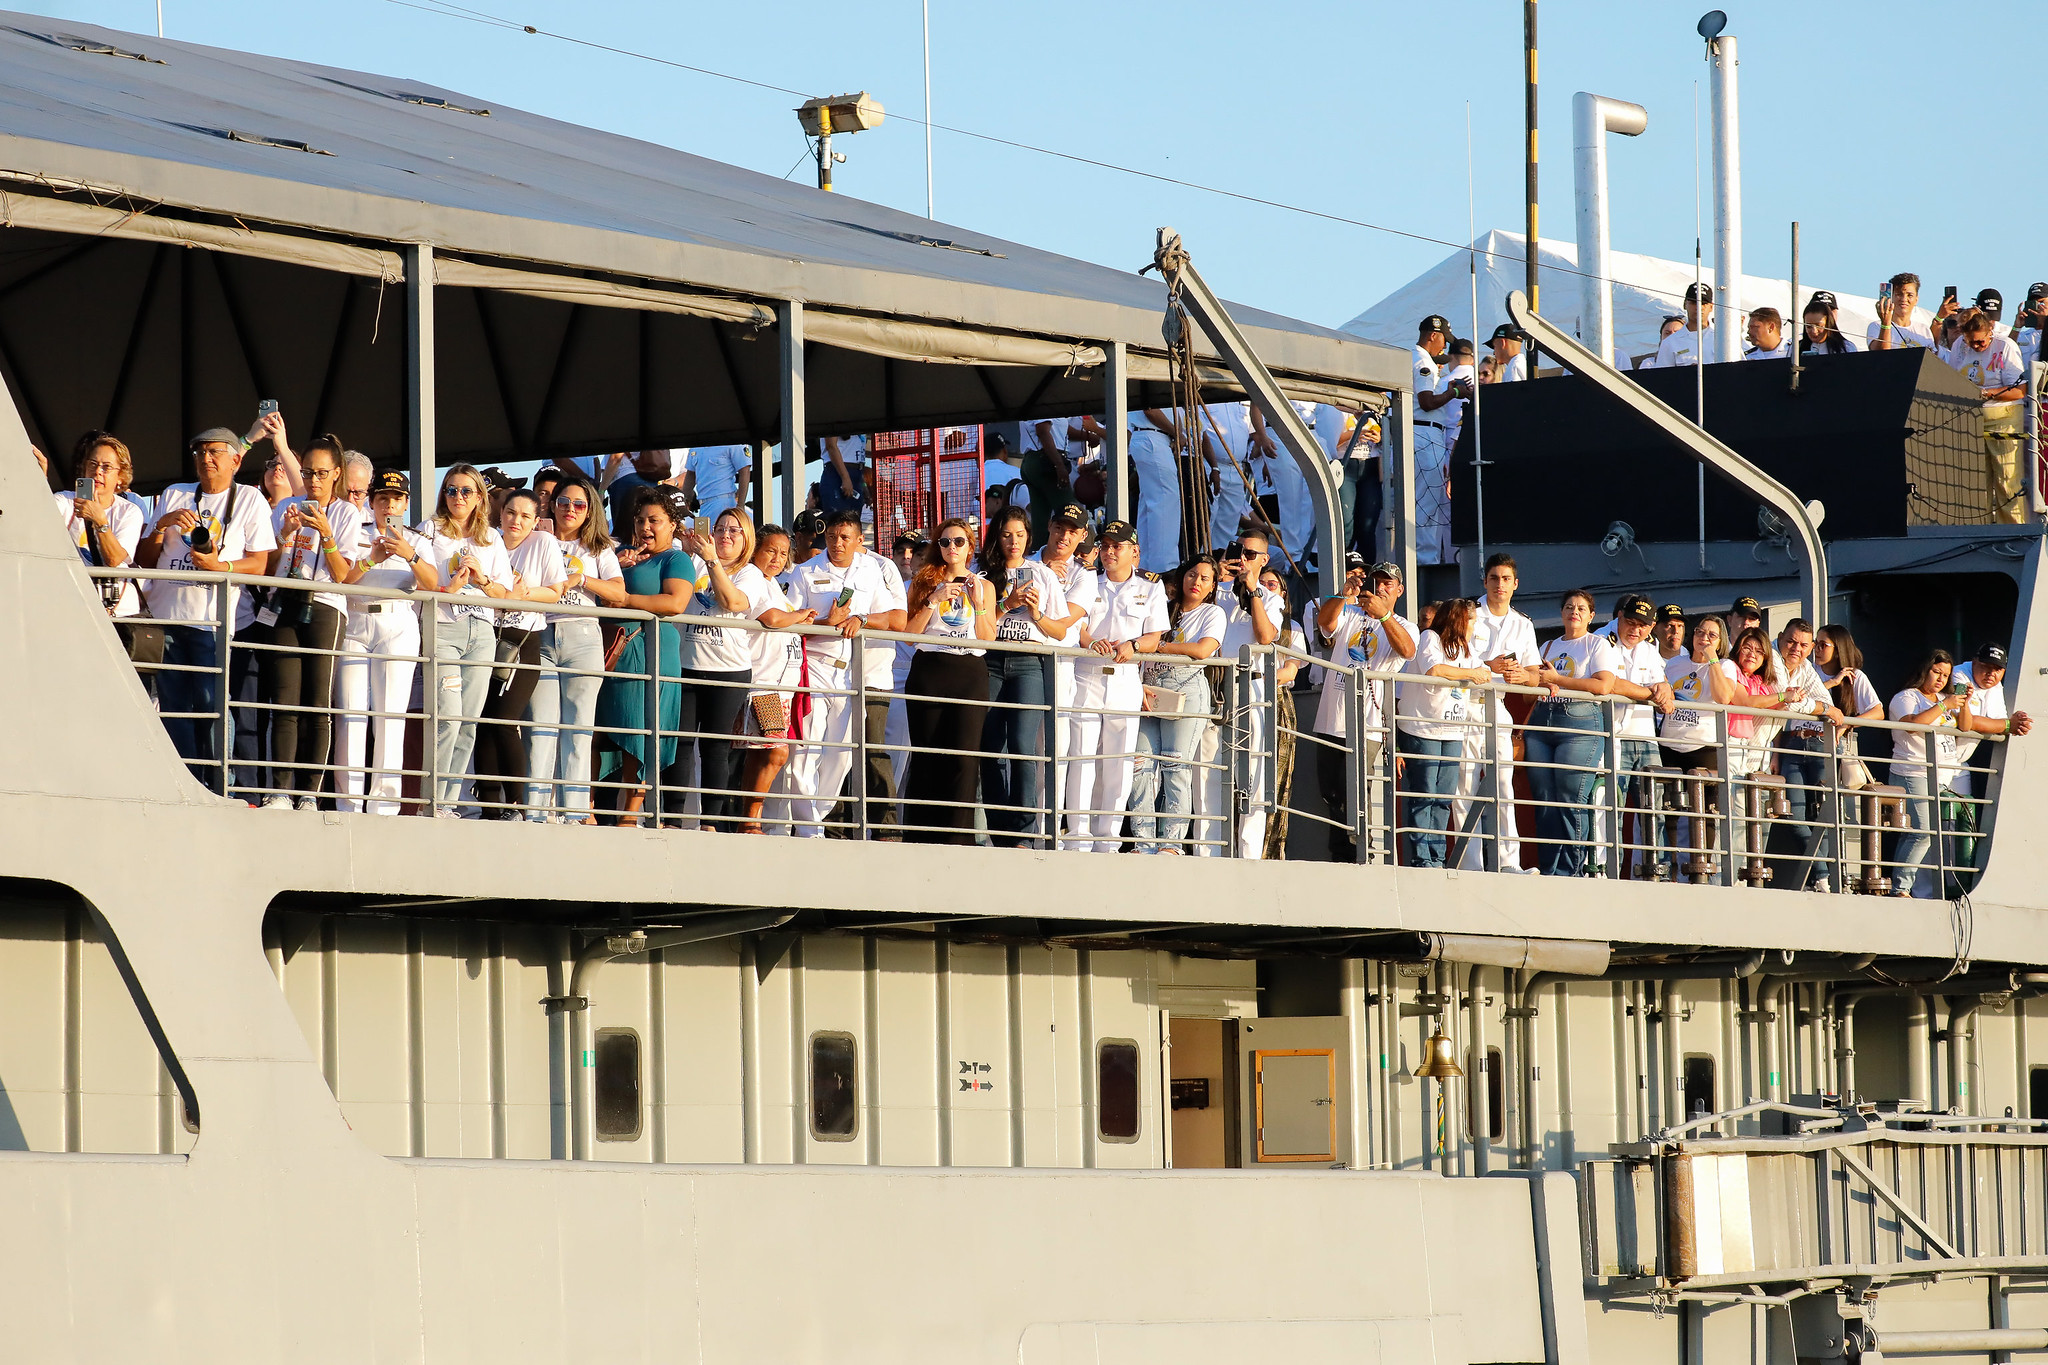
419	373
789	334
1116	432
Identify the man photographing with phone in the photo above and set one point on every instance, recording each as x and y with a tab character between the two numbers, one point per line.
1897	298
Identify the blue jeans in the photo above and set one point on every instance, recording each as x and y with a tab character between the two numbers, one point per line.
465	649
1572	738
1429	773
196	738
1013	740
1162	783
1803	763
558	766
1913	844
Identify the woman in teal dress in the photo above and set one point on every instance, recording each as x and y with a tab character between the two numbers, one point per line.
661	577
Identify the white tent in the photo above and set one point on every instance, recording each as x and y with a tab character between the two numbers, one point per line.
1646	291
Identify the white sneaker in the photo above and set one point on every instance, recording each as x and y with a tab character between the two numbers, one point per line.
277	801
1820	884
308	803
447	813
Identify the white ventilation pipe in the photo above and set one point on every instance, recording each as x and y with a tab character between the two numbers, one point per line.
1730	325
1593	117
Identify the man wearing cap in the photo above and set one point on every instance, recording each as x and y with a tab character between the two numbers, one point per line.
1505	641
1687	345
378	651
1766	336
1066	524
1989	715
1748	612
1509	364
1992	363
2026	328
1896	325
1126	617
1802	760
1357	628
1434	416
232	526
1670	632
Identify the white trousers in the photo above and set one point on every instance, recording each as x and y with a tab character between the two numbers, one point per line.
363	683
1227	512
1209	827
1432	496
1103	747
1297	508
818	768
1158	501
1473	856
1251	831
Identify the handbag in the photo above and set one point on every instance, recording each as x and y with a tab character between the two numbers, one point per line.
770	714
617	647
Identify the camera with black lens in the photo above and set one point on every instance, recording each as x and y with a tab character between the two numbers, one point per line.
200	537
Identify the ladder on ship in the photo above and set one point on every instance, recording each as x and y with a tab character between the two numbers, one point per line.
1816	1208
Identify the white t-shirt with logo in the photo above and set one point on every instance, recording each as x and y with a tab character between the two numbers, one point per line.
777	658
1581	658
1909	746
390	572
538	562
1359	642
491	561
302	556
126	524
576	559
1687	728
1437	709
1643	666
1997	366
1902	336
247	531
1052	601
720	649
952	619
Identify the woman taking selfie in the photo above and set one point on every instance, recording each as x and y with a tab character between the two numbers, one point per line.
1945	714
572	659
776	664
1566	736
718	661
469	560
299	673
946	694
661	579
1176	709
538	575
373	681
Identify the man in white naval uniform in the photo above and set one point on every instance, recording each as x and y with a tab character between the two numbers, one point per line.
1065	527
1126	619
1234	496
1766	336
1432	446
1152	437
1693	343
1505	641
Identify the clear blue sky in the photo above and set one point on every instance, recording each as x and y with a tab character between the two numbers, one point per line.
1354	109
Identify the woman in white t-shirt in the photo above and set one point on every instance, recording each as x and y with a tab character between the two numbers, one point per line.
718	661
564	701
1176	709
776	661
1034	609
947	691
1944	713
539	575
315	537
104	526
1565	737
1431	727
469	561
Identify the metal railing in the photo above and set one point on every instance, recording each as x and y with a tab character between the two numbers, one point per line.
1598	796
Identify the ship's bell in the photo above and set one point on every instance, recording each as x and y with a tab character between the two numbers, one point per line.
1438	1059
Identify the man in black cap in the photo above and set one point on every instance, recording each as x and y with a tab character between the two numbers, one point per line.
2026	328
1689	344
1509	364
1434	416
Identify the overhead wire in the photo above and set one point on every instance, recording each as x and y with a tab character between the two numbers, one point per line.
447	9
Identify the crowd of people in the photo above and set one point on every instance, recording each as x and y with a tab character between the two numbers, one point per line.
534	712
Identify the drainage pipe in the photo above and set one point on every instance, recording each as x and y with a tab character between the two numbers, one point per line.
1770	989
1706	969
1962	1009
1478	1089
582	1079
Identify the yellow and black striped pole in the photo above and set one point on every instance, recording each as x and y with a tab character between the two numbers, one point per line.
1529	190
